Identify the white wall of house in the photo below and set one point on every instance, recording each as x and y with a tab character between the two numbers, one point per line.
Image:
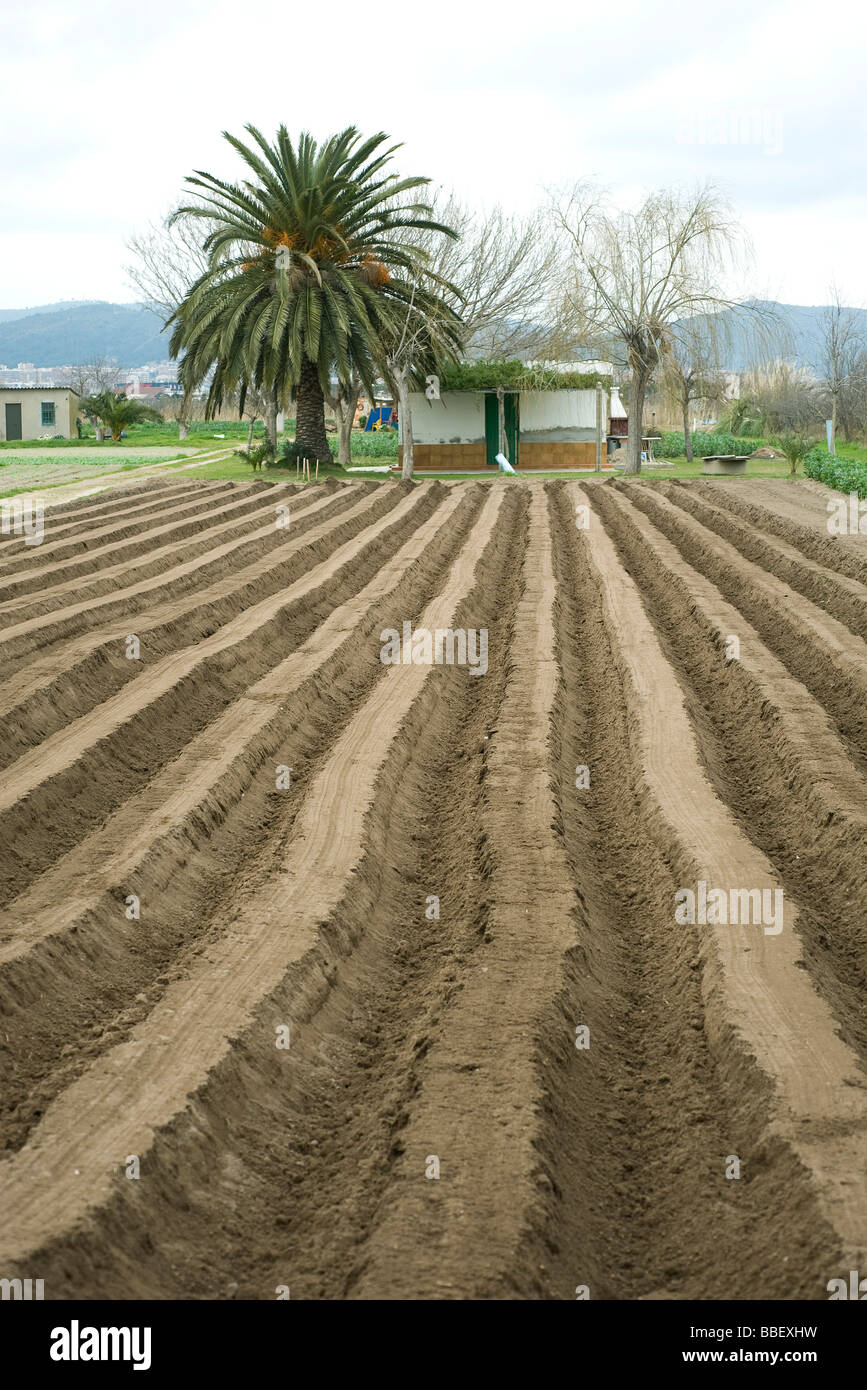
458	417
560	416
65	404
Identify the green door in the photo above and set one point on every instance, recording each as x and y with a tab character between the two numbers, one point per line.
492	427
13	421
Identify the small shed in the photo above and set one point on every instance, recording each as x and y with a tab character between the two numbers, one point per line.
544	429
37	412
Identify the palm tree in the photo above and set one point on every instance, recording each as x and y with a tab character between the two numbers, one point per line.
795	447
117	411
308	273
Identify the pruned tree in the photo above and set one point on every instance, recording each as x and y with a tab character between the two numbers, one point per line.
343	399
842	348
633	275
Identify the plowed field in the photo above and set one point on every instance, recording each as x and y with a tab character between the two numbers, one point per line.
371	980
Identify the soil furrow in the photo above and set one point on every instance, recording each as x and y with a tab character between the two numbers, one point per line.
120	526
20	639
823	654
762	1016
803	525
129	1098
842	597
66	969
771	753
90	574
75	778
66	683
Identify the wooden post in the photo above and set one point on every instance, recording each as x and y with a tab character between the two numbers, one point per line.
317	470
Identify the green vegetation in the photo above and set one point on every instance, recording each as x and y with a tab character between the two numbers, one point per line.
117	411
37	474
377	444
513	374
311	271
845	474
202	435
794	447
672	446
259	453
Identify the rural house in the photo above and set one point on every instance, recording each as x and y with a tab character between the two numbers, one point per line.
37	412
544	429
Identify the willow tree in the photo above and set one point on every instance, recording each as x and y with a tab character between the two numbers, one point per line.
634	275
307	270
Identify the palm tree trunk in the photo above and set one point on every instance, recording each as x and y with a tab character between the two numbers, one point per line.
310	436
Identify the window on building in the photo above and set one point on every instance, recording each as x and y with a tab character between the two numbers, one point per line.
48	412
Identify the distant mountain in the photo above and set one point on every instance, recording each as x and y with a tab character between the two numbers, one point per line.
7	315
66	334
793	332
56	335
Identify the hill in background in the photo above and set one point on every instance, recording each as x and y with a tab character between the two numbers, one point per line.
56	335
66	334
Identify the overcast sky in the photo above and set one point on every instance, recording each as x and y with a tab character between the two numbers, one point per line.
107	106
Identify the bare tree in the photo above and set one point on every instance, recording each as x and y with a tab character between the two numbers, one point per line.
691	369
427	334
95	377
636	274
344	402
506	272
779	398
843	344
167	261
853	398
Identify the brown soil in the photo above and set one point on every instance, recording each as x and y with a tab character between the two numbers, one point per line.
432	1131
